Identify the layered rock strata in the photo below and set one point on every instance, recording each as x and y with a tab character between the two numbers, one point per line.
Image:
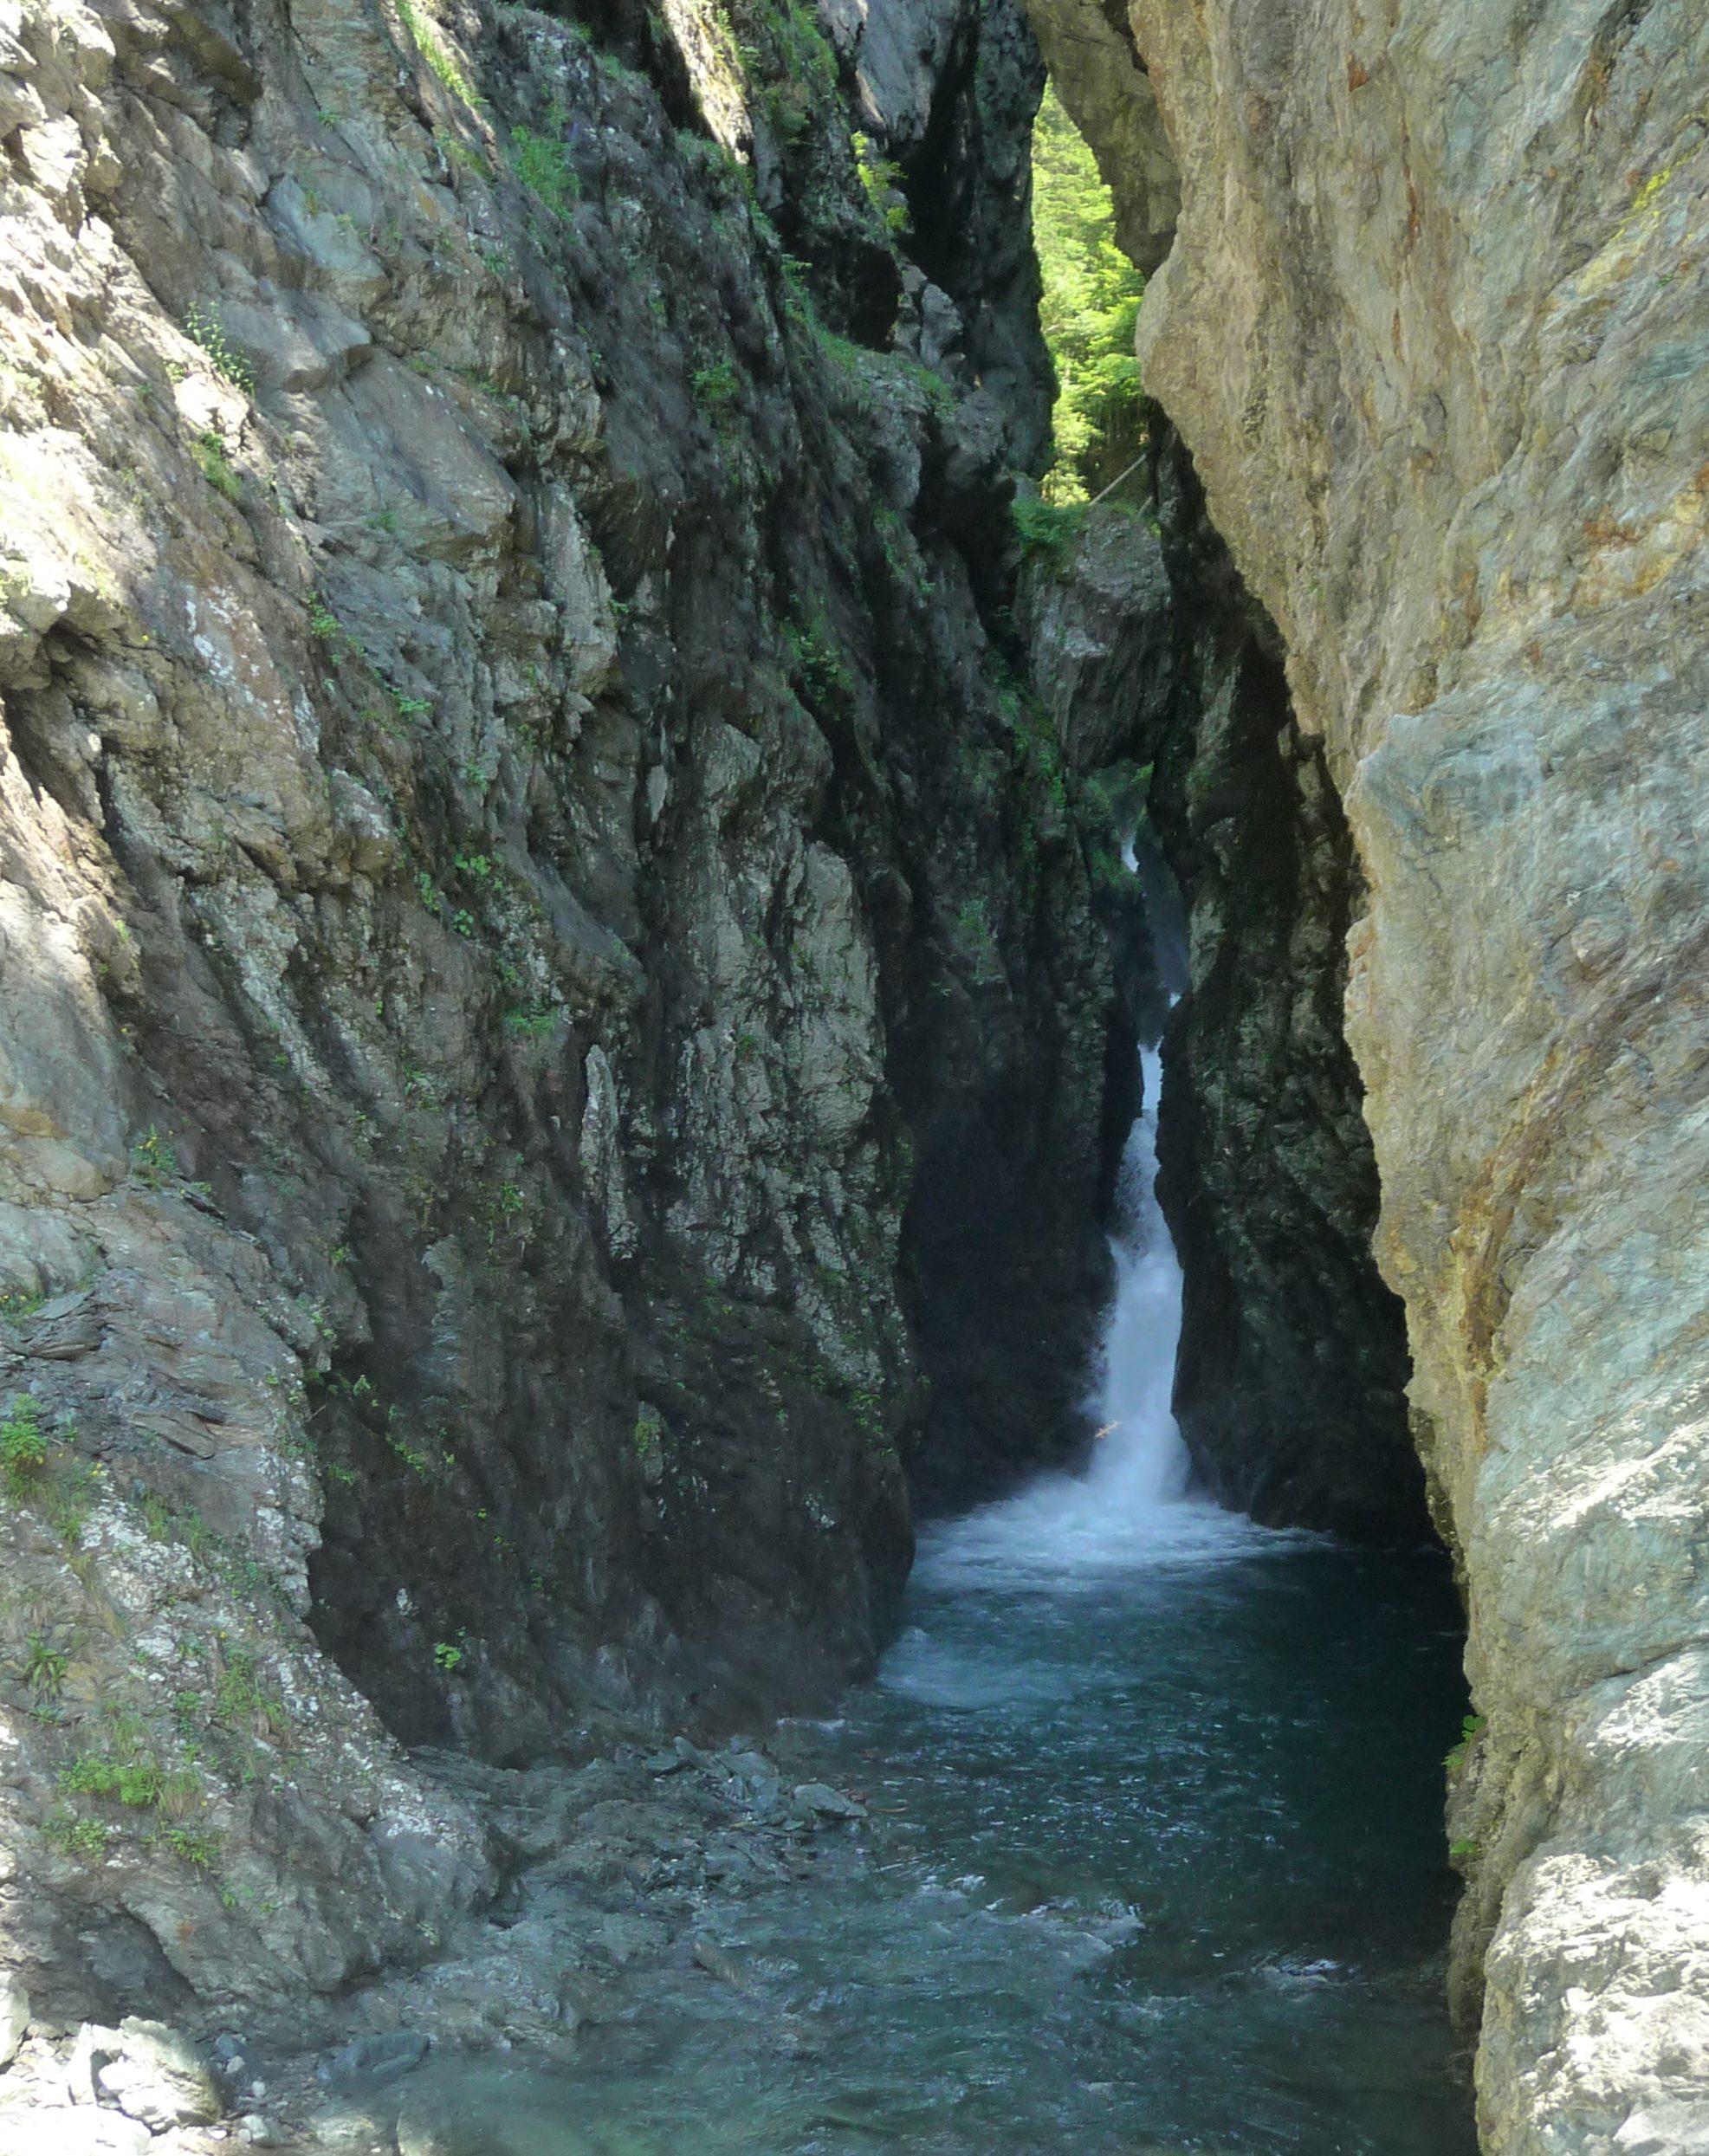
1432	327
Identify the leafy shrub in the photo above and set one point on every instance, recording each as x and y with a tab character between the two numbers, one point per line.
242	1698
202	327
819	664
198	1849
24	1444
435	51
153	1162
216	467
141	1783
882	179
72	1837
1047	529
1469	1729
44	1667
544	170
715	387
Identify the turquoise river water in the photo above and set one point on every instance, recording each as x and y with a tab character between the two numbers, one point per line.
1159	1866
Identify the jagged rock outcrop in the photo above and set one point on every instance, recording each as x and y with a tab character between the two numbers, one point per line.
1432	327
1102	80
517	815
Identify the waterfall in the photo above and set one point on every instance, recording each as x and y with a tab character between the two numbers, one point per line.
1132	1505
1140	1462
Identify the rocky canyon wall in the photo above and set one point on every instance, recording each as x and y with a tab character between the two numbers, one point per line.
1433	325
539	921
1290	1375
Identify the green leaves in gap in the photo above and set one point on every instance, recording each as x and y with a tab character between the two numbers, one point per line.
1089	306
1469	1729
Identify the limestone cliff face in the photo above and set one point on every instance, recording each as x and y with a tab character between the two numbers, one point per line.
507	774
1433	325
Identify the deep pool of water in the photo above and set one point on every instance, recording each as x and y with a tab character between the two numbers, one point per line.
1237	1746
1165	1875
1158	1865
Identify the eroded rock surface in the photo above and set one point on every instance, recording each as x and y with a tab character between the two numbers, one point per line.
1290	1383
1433	327
623	1880
519	823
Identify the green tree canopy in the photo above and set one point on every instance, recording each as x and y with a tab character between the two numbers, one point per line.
1091	296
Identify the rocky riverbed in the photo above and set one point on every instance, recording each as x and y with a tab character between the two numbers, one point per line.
613	1878
1131	1851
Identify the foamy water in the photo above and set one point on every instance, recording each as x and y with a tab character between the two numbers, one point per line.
1154	1856
1132	1505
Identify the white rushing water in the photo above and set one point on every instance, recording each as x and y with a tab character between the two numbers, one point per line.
1132	1504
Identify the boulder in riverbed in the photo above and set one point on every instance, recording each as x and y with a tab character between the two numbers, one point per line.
820	1800
157	2077
14	2016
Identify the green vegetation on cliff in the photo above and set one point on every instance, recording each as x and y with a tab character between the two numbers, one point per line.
1091	303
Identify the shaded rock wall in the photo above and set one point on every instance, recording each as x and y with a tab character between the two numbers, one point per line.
512	812
1033	1096
1289	1386
1166	685
1431	328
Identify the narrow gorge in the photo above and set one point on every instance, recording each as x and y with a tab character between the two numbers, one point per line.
613	740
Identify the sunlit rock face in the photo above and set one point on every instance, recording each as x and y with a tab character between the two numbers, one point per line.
1432	327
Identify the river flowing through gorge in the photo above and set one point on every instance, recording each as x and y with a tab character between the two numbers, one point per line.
588	596
1157	1865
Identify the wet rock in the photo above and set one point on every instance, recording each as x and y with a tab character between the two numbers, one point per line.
373	2062
820	1801
717	1961
588	1998
441	2129
624	1938
1290	1380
